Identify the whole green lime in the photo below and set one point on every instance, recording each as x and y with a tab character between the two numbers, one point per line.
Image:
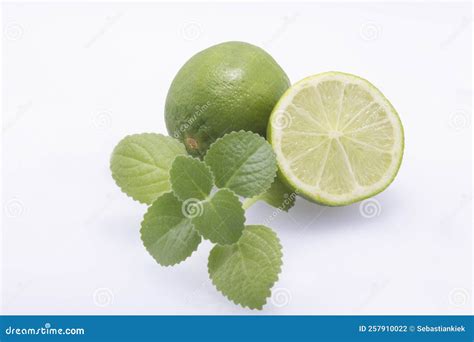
228	87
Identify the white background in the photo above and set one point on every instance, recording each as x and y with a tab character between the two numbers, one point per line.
78	77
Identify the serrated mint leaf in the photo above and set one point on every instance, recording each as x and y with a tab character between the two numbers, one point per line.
278	196
243	162
166	233
246	271
190	178
220	218
140	165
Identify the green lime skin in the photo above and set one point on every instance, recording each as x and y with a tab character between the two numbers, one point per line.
227	87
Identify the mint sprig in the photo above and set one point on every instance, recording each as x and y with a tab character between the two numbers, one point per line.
245	271
218	217
246	261
243	162
140	165
222	218
190	178
167	234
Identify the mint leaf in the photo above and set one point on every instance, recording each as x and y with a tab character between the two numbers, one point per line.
140	165
166	233
243	162
246	271
220	218
190	178
278	196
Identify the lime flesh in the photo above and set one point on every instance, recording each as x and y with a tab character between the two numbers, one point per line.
338	140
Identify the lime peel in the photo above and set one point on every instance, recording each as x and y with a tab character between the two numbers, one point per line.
337	139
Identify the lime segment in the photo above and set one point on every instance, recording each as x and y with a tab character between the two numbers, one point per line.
337	139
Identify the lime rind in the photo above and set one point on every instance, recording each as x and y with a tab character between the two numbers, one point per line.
314	193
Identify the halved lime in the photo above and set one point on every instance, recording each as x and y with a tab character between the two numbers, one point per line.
337	139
